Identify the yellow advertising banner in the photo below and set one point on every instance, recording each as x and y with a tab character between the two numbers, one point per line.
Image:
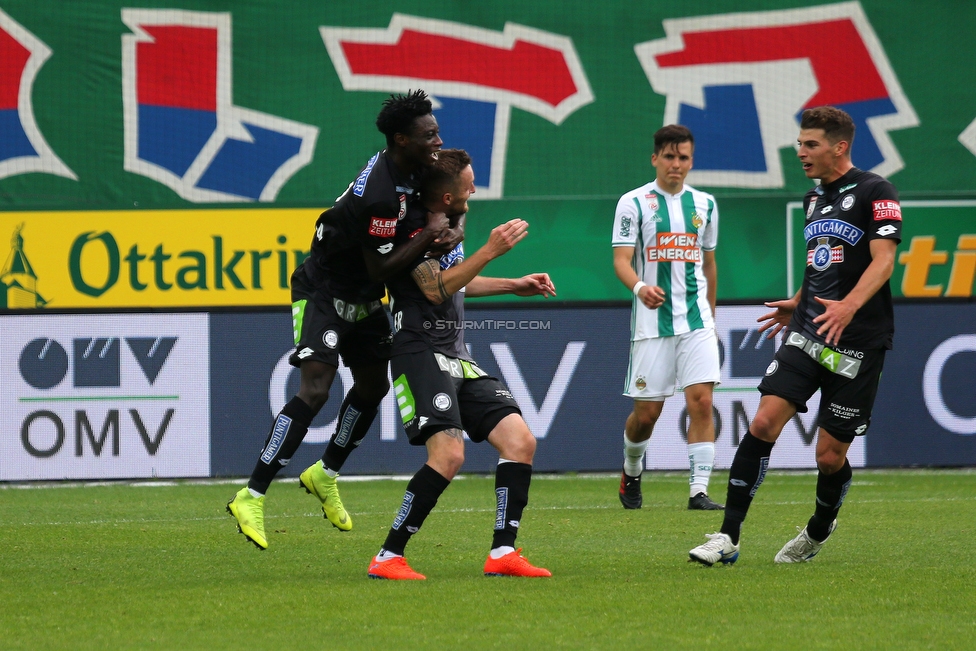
152	258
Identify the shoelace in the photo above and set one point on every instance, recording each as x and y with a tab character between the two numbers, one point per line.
715	543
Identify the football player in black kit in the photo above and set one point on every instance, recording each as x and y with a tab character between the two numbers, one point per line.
838	327
336	310
440	389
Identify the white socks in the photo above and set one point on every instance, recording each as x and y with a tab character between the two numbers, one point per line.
498	552
701	456
385	556
634	456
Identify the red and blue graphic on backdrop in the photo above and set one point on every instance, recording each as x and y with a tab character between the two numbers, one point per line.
741	81
475	76
181	126
22	146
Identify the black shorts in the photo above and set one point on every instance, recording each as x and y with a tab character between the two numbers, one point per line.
360	333
435	392
847	380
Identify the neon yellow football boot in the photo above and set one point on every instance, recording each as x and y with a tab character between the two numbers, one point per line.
249	512
317	483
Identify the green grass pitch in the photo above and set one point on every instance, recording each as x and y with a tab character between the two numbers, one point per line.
151	566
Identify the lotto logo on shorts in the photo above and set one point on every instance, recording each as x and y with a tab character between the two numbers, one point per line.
381	227
886	209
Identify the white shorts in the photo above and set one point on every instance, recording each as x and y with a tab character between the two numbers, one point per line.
659	364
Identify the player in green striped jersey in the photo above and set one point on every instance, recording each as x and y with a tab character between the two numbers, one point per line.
664	238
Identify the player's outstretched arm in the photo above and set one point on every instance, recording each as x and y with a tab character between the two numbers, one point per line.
651	296
538	284
438	285
382	266
838	314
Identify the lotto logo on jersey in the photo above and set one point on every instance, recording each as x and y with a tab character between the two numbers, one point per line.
749	76
181	126
381	227
675	247
23	148
886	209
475	76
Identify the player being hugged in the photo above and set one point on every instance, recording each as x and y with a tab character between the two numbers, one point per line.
441	391
839	326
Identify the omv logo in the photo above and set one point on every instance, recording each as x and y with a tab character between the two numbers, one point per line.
474	75
22	146
181	125
741	81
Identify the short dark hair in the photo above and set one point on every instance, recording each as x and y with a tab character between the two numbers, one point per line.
442	175
400	111
672	134
837	125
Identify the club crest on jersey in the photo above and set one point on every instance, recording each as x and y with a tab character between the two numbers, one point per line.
651	201
823	255
696	220
847	203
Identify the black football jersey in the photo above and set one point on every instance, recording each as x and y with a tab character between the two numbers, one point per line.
365	216
842	218
418	324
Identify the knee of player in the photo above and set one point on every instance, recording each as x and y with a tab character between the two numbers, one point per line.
373	392
700	405
763	427
645	421
518	444
449	460
829	461
315	396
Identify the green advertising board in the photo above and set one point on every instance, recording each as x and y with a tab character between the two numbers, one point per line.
113	106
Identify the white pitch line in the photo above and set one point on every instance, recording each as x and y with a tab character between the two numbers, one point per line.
529	509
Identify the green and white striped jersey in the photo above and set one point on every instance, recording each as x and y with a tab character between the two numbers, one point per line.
668	233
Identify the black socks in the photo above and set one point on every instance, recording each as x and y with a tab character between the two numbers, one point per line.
286	435
511	495
831	491
422	493
355	418
748	470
